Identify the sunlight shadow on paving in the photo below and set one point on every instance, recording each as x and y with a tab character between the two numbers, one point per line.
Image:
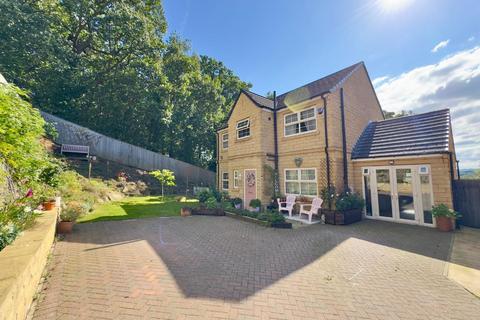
221	258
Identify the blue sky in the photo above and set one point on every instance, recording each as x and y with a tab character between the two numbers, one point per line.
280	45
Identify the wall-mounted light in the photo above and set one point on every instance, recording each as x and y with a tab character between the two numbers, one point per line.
298	161
392	162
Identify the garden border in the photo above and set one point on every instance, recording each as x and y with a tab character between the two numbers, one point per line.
22	264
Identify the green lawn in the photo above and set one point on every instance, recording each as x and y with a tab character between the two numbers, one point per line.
138	207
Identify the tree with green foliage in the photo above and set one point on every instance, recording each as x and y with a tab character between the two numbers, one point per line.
392	114
108	65
165	177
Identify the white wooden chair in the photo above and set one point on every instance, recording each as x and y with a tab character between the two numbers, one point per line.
286	205
316	204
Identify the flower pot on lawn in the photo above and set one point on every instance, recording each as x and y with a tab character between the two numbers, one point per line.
444	224
185	212
65	227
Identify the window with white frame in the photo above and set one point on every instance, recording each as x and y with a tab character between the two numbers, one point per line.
300	122
225	141
301	182
243	128
236	178
225	181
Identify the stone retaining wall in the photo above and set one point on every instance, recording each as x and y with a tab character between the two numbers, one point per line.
21	267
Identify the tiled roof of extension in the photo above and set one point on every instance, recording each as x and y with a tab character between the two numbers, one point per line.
421	134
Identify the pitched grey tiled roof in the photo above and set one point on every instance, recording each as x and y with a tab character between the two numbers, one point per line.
426	133
316	88
261	101
306	92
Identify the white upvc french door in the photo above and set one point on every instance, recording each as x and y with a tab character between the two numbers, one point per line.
398	193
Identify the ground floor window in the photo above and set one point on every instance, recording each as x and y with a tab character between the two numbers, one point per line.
236	178
225	181
301	182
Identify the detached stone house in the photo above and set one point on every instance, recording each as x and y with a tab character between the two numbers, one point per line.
332	132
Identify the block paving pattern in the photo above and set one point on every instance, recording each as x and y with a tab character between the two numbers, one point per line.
221	268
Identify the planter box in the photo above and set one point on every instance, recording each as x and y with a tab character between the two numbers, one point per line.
281	225
342	218
248	219
207	212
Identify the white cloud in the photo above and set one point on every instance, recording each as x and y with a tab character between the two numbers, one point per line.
453	82
440	45
376	82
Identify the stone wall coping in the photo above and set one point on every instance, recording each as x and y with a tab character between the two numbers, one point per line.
22	264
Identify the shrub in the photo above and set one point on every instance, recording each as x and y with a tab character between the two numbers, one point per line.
211	203
442	210
72	211
349	201
227	205
237	201
15	217
204	195
255	203
329	196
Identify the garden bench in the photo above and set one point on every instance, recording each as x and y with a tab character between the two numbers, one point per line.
76	149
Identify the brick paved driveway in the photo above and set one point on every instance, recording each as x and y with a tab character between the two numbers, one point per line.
217	267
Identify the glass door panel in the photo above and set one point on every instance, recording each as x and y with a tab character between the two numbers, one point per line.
405	200
384	193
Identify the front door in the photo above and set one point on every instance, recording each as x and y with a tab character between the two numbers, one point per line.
250	186
398	193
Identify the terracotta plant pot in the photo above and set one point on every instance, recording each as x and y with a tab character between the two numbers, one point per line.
444	223
185	212
48	205
64	227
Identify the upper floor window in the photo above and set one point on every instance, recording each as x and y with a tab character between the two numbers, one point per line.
243	129
300	122
225	141
225	181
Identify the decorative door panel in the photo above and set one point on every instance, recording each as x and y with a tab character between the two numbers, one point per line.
250	191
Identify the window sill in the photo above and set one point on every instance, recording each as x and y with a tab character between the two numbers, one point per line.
243	139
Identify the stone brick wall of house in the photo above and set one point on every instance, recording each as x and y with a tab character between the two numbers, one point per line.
247	153
440	173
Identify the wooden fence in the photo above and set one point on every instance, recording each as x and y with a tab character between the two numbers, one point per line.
124	153
467	201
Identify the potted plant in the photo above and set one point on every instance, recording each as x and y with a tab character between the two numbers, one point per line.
349	206
345	208
48	200
237	203
255	204
69	216
209	208
444	217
